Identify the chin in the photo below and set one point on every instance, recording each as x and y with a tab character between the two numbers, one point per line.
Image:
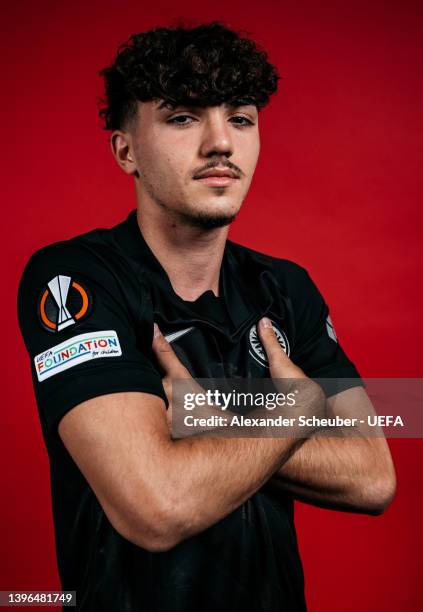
207	219
209	216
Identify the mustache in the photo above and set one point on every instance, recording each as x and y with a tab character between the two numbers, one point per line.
218	164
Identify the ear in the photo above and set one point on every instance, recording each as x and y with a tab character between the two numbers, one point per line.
122	149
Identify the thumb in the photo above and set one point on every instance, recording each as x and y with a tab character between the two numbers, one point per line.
280	364
166	356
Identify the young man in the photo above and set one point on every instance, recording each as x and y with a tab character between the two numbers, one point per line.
143	521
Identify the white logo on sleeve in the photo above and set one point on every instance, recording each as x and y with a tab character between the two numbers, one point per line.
59	288
330	329
76	350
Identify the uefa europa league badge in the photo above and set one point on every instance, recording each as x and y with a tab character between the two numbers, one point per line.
63	303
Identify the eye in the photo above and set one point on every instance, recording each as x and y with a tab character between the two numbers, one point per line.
239	120
180	120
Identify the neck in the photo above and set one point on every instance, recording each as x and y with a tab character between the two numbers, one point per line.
191	256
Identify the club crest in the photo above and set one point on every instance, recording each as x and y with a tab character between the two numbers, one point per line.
256	349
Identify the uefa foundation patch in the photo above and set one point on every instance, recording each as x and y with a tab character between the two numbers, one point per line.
63	302
76	350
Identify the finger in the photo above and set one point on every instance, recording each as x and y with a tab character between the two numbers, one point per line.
166	356
280	364
167	386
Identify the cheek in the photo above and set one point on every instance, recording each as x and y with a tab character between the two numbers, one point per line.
247	152
164	177
153	164
167	160
254	154
176	171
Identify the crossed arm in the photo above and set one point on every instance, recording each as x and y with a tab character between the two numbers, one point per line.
157	491
350	472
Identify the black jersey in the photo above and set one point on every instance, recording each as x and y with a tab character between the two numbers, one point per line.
86	310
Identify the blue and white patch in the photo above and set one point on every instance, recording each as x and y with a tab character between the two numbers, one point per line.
330	329
78	349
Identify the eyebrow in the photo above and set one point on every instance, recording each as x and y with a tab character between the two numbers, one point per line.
165	104
169	106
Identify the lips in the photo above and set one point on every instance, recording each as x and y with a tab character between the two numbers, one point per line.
217	172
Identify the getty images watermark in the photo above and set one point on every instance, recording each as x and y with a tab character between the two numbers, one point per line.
300	407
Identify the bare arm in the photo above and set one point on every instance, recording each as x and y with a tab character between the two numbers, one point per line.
154	490
352	473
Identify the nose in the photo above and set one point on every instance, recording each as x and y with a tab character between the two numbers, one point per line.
216	137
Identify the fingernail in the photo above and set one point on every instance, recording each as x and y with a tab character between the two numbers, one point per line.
157	332
266	322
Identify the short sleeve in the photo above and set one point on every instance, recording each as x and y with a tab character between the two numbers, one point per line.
317	350
85	329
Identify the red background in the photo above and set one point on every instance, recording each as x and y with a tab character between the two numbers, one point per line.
337	189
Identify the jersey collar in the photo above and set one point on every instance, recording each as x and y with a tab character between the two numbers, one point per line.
245	294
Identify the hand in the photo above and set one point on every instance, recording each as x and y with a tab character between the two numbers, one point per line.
280	364
170	365
287	376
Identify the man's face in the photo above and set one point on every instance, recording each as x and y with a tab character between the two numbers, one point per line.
175	147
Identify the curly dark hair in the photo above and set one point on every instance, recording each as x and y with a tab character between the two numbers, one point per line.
203	66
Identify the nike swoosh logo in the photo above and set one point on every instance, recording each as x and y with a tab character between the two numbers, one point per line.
181	332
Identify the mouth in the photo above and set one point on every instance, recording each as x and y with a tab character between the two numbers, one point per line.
217	181
217	177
